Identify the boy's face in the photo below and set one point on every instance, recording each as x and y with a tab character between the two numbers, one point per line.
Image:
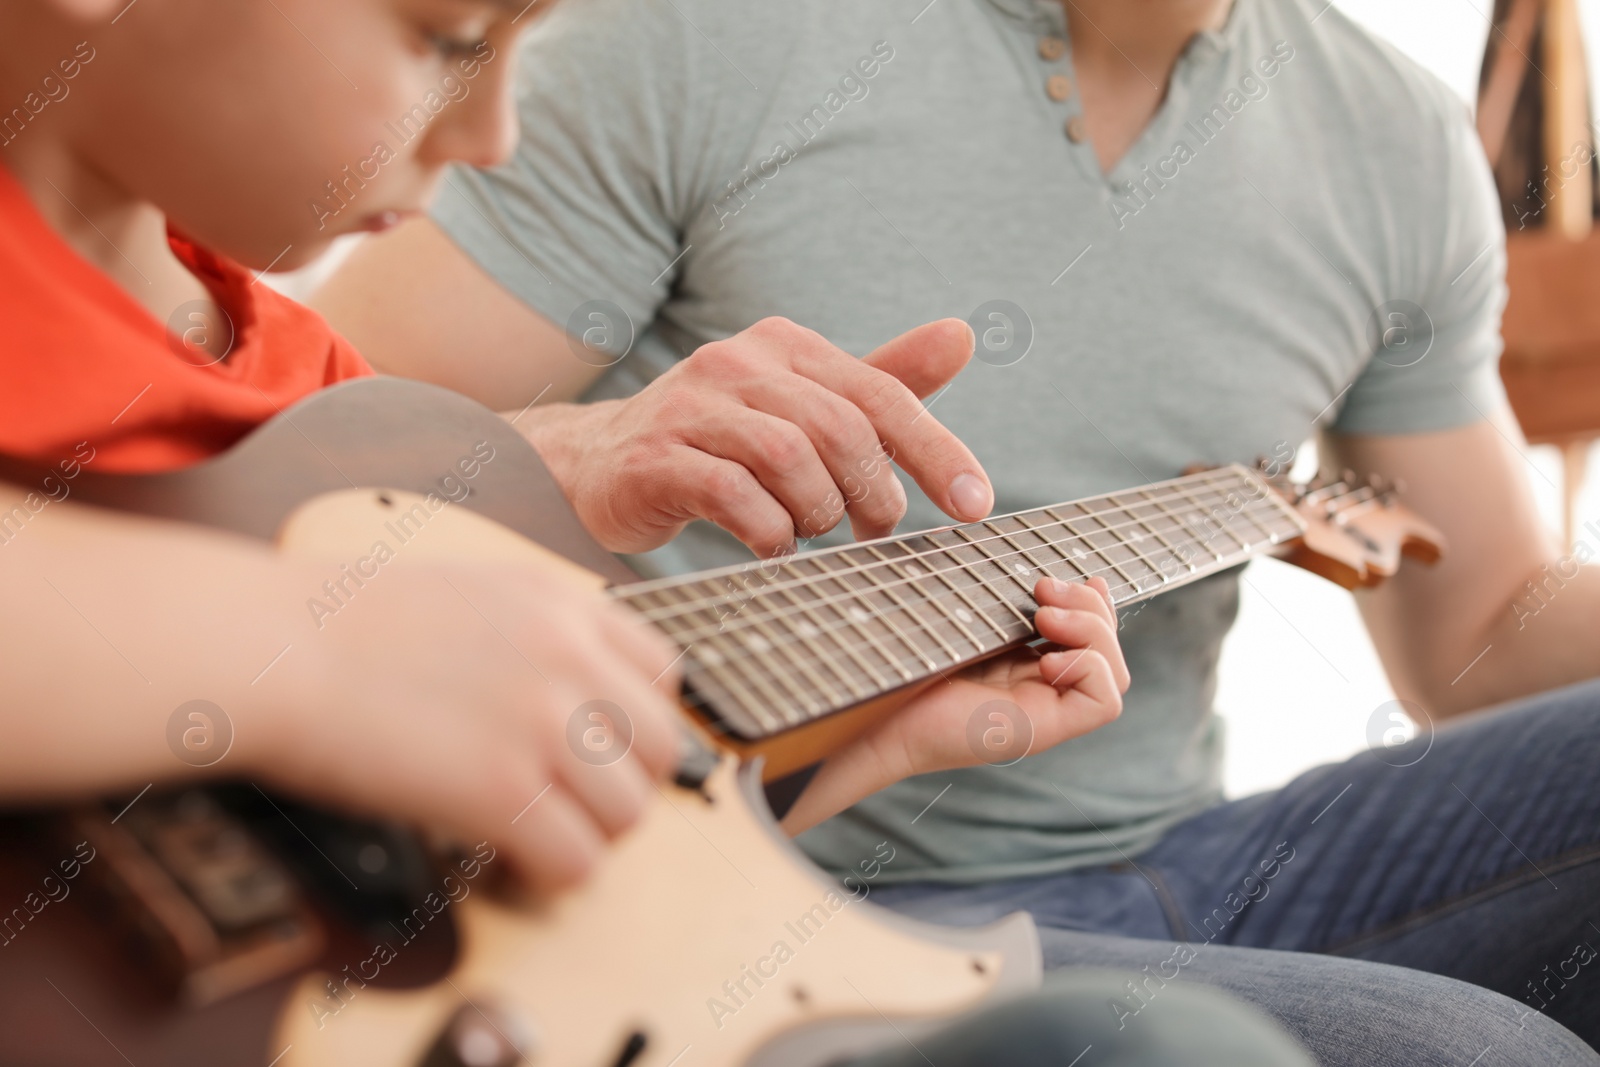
266	128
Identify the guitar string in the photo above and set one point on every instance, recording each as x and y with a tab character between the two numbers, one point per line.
833	600
760	668
1007	581
806	581
784	673
921	659
662	613
1177	495
686	608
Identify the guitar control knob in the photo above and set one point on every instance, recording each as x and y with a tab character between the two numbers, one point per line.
481	1035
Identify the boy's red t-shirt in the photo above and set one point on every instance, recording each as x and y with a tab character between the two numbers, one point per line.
82	361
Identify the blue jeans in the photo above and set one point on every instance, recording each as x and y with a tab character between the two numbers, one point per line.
1434	903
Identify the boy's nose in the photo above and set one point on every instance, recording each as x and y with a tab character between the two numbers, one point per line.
481	128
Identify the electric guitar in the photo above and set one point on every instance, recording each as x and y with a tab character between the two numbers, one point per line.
705	939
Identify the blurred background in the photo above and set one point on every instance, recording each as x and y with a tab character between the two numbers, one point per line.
1300	680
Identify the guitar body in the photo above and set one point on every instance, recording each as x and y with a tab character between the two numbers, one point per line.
704	929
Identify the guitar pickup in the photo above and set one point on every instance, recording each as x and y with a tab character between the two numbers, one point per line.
196	893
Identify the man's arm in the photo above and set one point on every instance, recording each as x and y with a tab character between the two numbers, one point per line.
1432	624
773	434
418	307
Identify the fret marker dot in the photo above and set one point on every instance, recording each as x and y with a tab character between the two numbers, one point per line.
860	614
710	657
912	568
963	614
1021	568
757	643
1136	537
806	629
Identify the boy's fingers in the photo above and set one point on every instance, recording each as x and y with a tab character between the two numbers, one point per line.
1078	629
555	843
1083	672
614	794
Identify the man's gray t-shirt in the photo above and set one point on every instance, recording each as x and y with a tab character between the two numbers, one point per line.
865	167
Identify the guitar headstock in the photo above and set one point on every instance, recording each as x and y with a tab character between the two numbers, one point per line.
1357	530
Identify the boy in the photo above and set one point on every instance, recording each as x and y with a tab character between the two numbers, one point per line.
158	153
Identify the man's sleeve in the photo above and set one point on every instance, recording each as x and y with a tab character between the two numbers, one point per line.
588	207
1439	369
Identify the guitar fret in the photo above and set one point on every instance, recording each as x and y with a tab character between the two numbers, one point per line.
813	621
864	607
1121	541
951	615
1200	512
776	684
812	583
1101	553
1073	559
815	701
977	546
960	568
724	664
930	628
1131	542
1024	552
886	616
756	694
1012	571
1177	554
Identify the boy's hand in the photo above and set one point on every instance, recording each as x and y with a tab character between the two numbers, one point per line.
462	699
995	712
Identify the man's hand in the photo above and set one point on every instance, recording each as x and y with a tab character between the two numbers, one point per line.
773	434
1068	691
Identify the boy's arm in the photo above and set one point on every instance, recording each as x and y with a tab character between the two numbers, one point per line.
438	695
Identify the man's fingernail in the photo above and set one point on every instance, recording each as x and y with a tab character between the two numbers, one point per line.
971	496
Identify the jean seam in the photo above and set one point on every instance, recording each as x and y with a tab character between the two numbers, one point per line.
1167	900
1506	883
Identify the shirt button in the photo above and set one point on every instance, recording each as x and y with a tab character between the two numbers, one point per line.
1051	49
1076	131
1058	87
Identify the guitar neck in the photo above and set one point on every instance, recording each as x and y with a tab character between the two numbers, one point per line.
773	645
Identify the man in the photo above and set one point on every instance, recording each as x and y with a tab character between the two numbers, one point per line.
1216	228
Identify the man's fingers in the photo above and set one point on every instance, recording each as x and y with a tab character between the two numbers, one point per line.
927	358
784	459
726	493
934	457
847	443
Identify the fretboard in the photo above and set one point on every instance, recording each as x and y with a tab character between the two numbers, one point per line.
772	645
